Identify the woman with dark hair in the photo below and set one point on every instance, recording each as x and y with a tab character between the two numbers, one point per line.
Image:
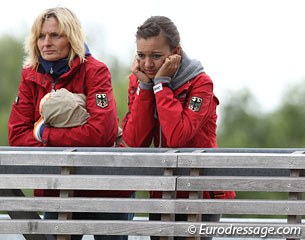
170	99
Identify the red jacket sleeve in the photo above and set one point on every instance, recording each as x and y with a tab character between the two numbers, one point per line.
23	114
138	124
180	123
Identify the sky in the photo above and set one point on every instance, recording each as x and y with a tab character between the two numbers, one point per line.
243	44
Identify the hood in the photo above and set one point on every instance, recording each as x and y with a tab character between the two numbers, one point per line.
189	68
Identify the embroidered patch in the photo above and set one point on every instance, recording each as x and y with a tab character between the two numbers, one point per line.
101	100
195	104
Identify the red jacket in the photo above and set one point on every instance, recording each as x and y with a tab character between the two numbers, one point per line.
90	78
181	126
186	117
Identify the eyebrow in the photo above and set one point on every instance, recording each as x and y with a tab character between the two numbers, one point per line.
152	52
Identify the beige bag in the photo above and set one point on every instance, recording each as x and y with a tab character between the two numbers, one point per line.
64	109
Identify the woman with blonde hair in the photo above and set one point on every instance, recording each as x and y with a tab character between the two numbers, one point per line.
65	98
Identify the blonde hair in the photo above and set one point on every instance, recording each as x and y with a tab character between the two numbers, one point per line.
69	25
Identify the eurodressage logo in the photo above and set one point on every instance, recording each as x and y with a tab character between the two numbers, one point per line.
101	100
195	104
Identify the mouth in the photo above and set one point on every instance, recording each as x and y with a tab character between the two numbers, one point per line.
48	52
150	72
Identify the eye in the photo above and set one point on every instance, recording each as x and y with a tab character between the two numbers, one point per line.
55	35
156	56
141	55
41	36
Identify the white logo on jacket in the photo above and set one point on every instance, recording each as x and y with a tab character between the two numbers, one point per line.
158	87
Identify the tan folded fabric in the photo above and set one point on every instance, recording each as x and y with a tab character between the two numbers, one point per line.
64	109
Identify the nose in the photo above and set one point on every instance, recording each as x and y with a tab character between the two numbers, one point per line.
148	62
47	40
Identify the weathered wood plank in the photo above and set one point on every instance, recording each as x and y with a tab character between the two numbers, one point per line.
262	184
147	228
87	182
168	206
88	159
169	159
241	160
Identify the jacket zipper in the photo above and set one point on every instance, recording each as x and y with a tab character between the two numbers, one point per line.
54	81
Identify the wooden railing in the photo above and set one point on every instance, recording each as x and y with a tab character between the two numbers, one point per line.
166	170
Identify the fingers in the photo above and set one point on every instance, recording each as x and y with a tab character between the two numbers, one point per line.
171	63
174	60
135	69
135	66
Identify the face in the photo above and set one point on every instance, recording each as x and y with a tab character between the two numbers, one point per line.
52	45
152	53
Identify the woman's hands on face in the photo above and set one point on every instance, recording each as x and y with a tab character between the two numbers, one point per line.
170	66
135	69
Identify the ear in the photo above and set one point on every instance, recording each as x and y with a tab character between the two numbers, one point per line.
177	50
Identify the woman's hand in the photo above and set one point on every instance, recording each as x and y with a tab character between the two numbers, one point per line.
170	66
135	69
